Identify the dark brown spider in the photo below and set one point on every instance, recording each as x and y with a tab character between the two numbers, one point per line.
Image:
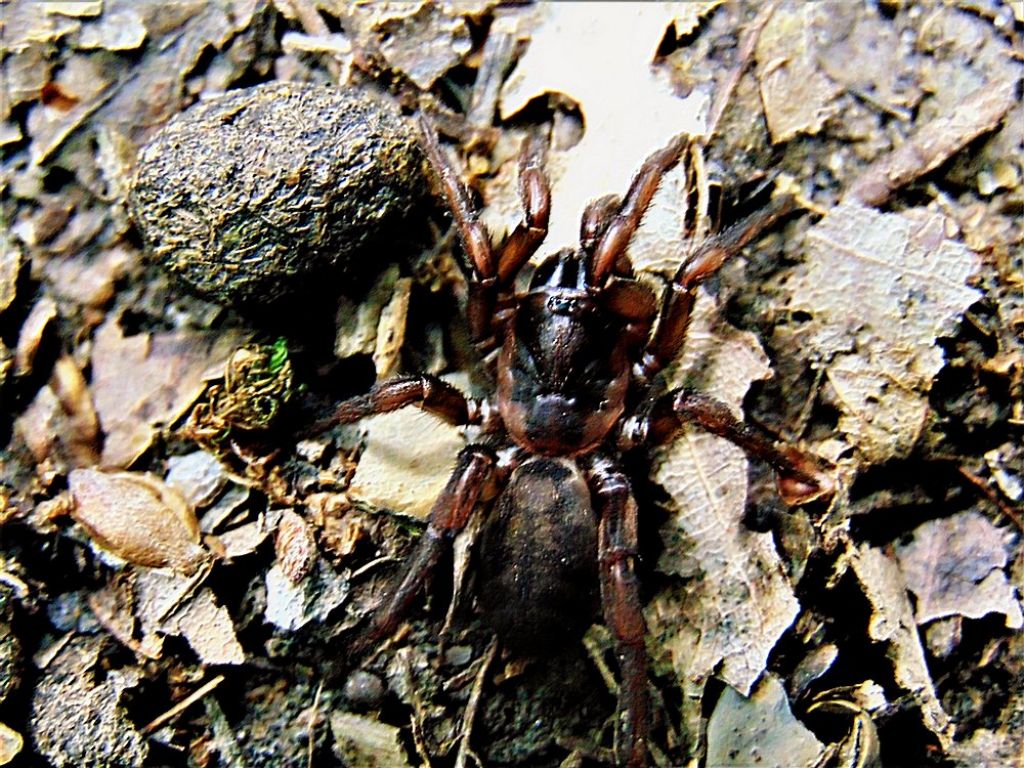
577	387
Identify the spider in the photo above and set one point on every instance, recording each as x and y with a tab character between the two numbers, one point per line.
577	387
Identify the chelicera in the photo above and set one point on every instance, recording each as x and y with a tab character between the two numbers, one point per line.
577	387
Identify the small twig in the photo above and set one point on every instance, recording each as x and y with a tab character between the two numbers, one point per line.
991	495
933	143
182	705
472	705
311	729
106	620
746	53
186	593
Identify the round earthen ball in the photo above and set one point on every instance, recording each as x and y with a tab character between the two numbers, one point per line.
266	193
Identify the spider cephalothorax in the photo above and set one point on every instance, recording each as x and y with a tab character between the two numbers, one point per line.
579	350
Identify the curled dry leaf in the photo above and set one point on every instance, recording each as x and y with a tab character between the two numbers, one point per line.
422	39
760	730
142	382
31	336
294	547
877	289
731	617
892	622
954	566
137	517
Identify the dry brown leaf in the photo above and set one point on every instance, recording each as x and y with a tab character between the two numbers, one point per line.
798	97
878	289
77	722
628	113
143	382
137	517
954	566
892	622
165	605
731	616
759	730
294	548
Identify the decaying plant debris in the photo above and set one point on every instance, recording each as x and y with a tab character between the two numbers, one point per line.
182	557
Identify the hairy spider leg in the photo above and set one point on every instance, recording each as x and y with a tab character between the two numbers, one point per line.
677	305
473	469
430	393
620	601
618	230
802	477
486	273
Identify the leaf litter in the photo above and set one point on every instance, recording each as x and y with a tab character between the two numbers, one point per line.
136	356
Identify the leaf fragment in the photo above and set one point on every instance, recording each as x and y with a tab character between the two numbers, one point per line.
738	601
877	289
892	622
362	742
954	566
760	730
137	517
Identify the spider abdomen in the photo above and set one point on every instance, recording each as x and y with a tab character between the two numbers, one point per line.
538	557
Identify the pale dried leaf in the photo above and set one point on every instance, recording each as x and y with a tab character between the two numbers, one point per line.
954	566
10	267
878	289
292	605
760	730
892	622
146	381
43	313
734	613
356	323
798	97
69	694
11	743
391	330
121	30
137	517
199	477
363	742
422	39
628	112
166	605
408	457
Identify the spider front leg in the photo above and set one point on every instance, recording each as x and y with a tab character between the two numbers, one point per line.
486	273
677	306
473	471
620	600
430	393
802	477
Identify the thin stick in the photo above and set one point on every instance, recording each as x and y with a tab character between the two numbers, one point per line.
746	54
473	704
182	705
